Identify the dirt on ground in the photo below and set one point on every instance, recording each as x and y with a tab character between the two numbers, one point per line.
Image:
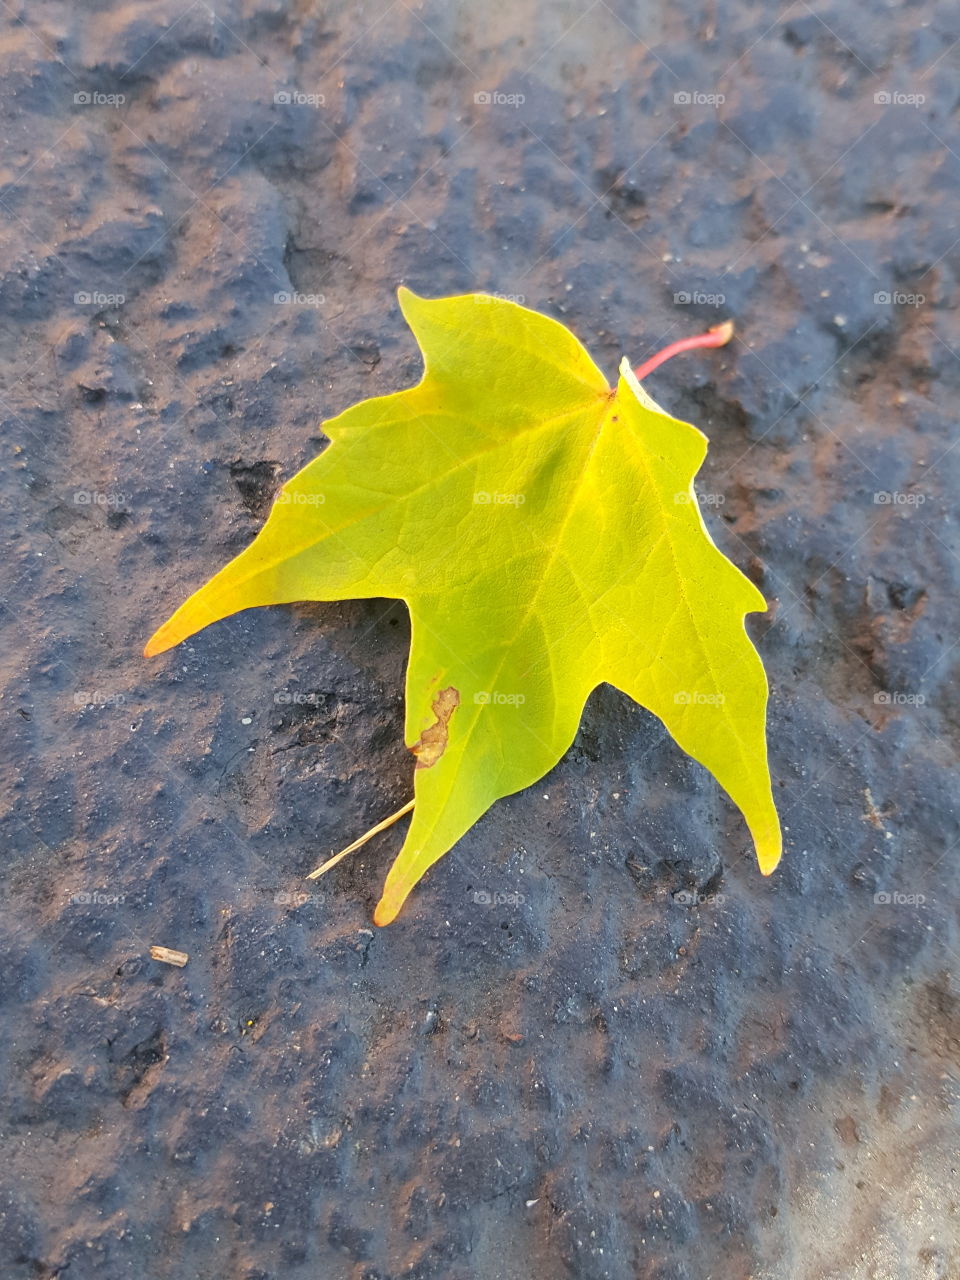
596	1043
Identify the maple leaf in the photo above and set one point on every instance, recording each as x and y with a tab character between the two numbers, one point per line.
543	530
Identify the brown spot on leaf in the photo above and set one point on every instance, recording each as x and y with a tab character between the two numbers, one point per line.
432	743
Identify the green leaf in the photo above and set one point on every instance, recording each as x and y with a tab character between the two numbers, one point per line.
543	530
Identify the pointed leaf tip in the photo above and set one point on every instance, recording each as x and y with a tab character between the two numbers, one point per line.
168	636
768	861
769	845
385	914
156	644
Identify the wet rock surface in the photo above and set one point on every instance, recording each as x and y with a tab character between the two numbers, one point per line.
597	1043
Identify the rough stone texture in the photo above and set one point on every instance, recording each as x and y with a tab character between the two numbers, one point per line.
600	1078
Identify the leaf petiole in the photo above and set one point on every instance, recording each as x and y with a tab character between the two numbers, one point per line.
718	336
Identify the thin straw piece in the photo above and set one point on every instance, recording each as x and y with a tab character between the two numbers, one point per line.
381	826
